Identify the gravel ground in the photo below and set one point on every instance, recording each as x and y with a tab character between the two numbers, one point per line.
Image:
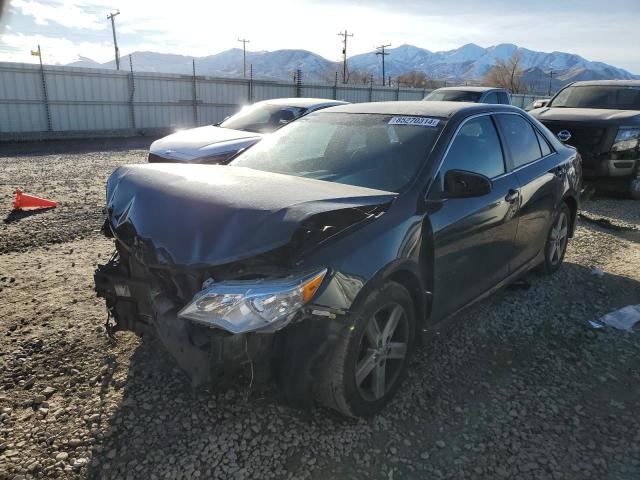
519	387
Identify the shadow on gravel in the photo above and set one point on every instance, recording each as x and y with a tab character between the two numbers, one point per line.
520	376
17	215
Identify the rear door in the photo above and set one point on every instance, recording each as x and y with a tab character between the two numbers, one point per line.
534	163
473	237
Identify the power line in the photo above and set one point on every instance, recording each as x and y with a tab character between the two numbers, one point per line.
111	17
383	54
344	36
244	56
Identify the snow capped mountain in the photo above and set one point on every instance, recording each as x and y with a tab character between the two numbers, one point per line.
469	62
270	65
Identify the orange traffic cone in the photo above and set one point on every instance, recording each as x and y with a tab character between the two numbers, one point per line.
29	202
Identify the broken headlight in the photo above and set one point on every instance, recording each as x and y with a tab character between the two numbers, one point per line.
248	305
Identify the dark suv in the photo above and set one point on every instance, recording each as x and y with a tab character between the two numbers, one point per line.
602	120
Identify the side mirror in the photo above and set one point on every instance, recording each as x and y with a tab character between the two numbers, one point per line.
461	184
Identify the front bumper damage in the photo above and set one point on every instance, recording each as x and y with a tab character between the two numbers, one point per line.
177	228
293	356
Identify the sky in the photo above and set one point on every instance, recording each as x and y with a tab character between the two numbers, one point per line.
598	30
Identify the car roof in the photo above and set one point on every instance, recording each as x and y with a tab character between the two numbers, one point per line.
303	102
464	88
419	108
617	83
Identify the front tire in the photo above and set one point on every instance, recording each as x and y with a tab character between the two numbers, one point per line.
557	240
371	358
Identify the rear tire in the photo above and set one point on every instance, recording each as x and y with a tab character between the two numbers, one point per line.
557	241
371	358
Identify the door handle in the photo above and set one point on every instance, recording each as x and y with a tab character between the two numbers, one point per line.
512	195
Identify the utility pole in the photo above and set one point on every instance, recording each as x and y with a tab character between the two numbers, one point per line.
344	36
111	17
45	96
550	79
244	56
383	54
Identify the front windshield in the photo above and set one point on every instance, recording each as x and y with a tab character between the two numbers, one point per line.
369	150
598	96
453	96
262	117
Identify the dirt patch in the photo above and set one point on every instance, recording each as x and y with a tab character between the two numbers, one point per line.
519	387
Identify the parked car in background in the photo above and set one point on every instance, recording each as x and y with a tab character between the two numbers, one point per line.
219	143
470	94
343	237
539	103
602	120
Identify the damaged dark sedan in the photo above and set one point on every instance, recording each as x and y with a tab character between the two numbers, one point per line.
319	257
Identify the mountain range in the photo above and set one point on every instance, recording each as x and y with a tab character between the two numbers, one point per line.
467	63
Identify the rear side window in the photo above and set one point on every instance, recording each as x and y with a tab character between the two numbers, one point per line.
544	145
476	148
504	98
521	139
491	98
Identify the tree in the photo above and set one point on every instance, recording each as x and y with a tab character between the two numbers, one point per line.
507	74
413	79
360	77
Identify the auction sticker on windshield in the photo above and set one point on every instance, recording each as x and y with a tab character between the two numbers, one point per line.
419	121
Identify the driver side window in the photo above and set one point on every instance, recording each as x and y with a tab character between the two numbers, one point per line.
476	148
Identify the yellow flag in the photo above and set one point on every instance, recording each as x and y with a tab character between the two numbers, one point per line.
35	53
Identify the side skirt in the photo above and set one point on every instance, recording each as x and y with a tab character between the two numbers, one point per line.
447	322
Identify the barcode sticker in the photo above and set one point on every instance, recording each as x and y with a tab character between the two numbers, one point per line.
418	121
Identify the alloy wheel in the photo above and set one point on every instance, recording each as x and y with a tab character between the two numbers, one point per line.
382	352
558	238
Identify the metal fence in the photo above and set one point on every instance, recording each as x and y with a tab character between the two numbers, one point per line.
81	102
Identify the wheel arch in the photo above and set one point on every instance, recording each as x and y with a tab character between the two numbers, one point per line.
411	282
572	205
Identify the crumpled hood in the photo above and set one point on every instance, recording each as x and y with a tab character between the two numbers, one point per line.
206	215
191	144
616	117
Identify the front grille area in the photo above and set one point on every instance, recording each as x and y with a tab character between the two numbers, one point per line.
589	140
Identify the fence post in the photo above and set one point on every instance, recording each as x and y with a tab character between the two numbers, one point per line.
371	89
132	89
194	99
298	82
250	84
45	96
397	89
335	87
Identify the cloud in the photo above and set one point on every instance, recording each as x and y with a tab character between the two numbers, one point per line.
198	28
66	13
17	48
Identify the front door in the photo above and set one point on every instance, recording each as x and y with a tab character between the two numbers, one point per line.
473	237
